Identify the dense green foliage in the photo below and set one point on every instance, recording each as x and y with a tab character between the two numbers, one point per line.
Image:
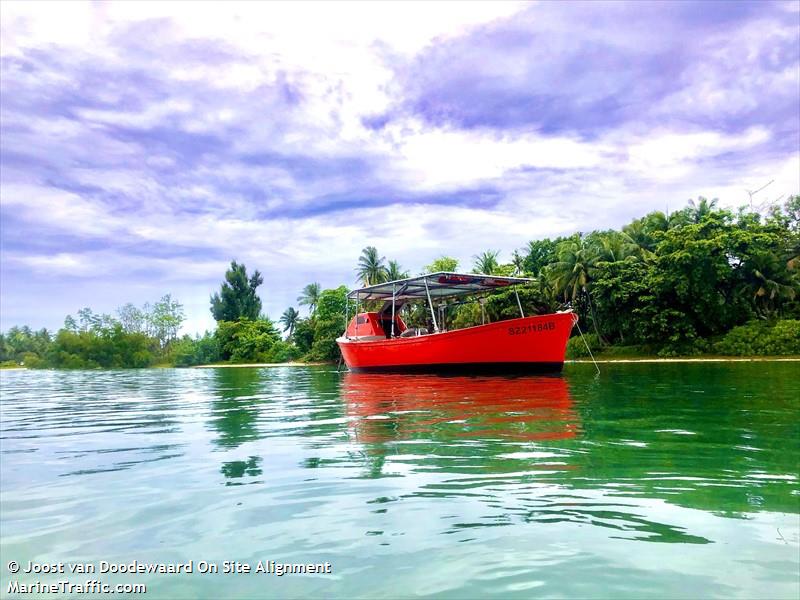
328	324
246	341
200	350
237	298
701	280
578	347
761	338
669	285
139	338
108	347
694	277
447	264
21	345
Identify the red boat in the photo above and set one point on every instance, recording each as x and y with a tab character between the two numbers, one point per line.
381	341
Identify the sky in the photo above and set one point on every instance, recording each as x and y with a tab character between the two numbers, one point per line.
145	145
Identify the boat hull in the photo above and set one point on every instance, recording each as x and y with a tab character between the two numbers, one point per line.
524	345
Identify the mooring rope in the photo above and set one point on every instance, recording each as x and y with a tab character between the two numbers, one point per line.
587	346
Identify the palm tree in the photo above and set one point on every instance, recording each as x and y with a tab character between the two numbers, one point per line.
289	319
371	269
614	246
571	274
518	260
701	208
486	262
395	271
770	281
572	271
642	232
310	296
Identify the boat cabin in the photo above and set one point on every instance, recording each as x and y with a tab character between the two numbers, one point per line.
375	326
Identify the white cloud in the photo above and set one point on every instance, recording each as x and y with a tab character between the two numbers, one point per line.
670	156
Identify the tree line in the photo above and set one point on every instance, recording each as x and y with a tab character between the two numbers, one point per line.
135	337
699	280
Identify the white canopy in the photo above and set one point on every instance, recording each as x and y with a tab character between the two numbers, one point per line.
439	285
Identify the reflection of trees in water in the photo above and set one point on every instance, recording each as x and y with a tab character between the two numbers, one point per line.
237	469
235	408
704	437
123	400
248	400
124	403
714	442
315	393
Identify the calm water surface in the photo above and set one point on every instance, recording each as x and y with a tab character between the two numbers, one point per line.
651	480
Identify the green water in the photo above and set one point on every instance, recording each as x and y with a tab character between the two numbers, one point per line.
668	480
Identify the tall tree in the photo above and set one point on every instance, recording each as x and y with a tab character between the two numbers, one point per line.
446	264
371	268
540	254
572	271
701	208
70	324
613	246
644	232
289	319
166	318
310	296
89	320
518	260
328	324
237	298
486	262
571	274
131	318
395	271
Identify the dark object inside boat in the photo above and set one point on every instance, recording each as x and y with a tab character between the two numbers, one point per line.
414	332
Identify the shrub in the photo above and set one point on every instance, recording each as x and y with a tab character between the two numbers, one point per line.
688	345
576	348
760	338
628	351
33	361
246	341
328	324
283	351
188	352
109	347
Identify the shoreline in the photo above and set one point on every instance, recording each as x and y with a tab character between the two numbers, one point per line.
576	361
566	362
260	365
686	360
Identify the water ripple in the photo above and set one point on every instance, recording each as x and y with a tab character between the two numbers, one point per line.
559	486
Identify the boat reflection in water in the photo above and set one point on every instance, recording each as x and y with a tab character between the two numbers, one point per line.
405	407
516	444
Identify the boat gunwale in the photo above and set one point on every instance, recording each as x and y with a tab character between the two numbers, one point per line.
421	339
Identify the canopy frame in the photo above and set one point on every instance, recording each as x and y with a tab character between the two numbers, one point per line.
438	286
